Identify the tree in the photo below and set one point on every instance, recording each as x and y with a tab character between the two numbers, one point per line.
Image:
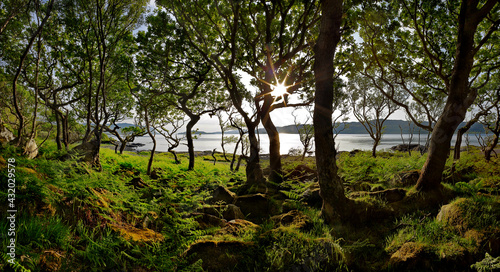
335	204
15	97
370	107
306	132
286	29
420	48
214	35
491	122
105	24
176	71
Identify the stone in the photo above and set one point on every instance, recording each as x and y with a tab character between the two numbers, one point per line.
86	150
206	221
219	255
406	178
410	256
312	197
302	173
237	226
222	194
31	149
406	147
255	206
452	215
228	212
293	218
5	134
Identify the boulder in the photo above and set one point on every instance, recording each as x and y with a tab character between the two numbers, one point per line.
407	147
86	150
312	197
5	135
302	173
406	178
222	194
452	215
31	149
255	206
293	218
237	226
410	256
206	221
228	212
219	255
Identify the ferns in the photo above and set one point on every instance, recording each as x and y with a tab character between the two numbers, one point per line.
487	264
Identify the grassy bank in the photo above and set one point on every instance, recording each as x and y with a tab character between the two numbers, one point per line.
73	218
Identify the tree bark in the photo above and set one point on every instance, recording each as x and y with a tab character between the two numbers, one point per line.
490	148
460	97
331	189
253	169
152	154
271	130
189	137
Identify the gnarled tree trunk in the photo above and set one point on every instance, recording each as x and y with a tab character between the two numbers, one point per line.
331	189
460	95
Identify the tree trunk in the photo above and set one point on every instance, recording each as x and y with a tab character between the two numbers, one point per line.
253	169
123	144
274	137
331	189
439	147
374	148
152	154
175	156
489	149
189	137
58	130
274	150
460	96
463	130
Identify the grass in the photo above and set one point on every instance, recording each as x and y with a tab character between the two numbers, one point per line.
70	209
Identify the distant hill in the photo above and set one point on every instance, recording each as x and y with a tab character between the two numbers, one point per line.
391	127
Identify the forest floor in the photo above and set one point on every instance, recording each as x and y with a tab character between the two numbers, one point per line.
71	217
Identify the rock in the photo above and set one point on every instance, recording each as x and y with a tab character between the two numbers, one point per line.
406	147
312	197
411	256
302	173
237	226
137	183
86	150
452	215
406	178
228	212
354	152
254	206
31	149
222	194
219	255
293	218
208	221
5	134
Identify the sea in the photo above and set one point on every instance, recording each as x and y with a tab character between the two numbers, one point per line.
344	142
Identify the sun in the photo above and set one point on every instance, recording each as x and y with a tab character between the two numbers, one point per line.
279	90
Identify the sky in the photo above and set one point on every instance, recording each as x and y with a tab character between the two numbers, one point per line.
280	117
